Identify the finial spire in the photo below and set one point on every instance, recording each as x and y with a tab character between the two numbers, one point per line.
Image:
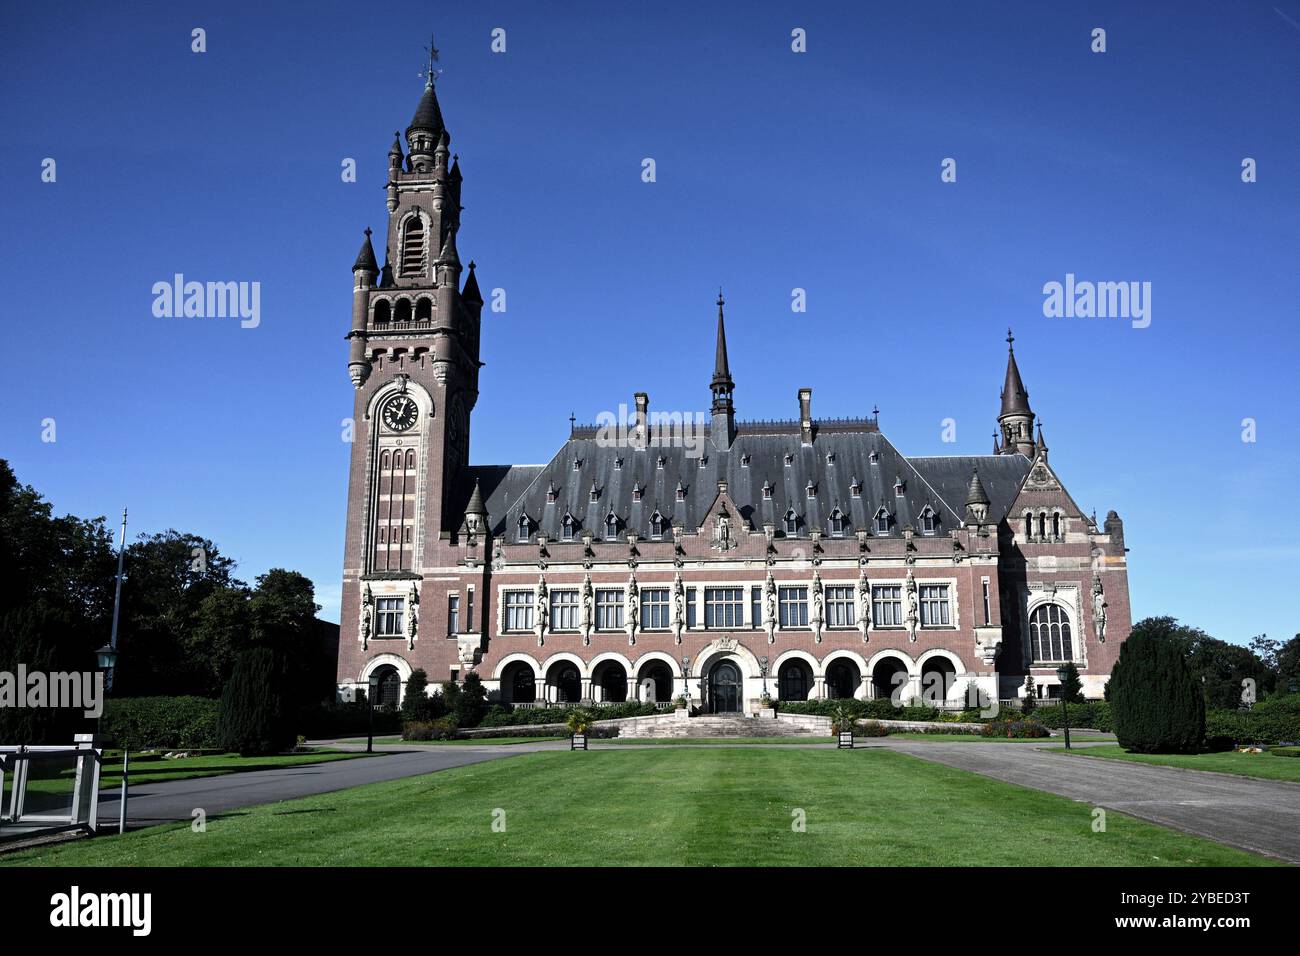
429	73
1010	339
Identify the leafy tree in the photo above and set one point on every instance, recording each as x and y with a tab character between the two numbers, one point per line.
1071	686
1031	692
254	716
471	703
1288	665
415	703
1156	704
220	633
28	636
1220	667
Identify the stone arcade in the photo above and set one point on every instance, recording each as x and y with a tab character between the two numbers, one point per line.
806	557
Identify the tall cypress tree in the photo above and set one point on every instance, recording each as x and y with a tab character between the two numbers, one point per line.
1156	704
254	715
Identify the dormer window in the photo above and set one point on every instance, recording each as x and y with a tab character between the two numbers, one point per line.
837	523
656	525
566	528
681	492
744	461
659	462
611	525
855	489
929	522
577	464
523	527
767	491
811	490
830	458
618	464
788	460
636	491
899	487
552	492
791	522
595	492
874	457
882	521
704	461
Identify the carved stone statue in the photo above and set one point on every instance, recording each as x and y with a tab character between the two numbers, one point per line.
541	609
498	556
913	617
367	615
769	608
631	609
818	618
412	601
864	606
679	607
1099	608
587	621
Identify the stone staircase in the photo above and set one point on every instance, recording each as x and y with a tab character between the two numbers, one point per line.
723	725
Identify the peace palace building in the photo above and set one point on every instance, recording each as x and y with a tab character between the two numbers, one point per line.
808	557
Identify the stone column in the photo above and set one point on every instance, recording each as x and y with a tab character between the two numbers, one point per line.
819	688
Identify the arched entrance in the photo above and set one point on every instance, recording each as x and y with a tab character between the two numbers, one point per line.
938	675
724	688
660	676
842	679
564	677
888	674
794	680
518	684
388	686
611	678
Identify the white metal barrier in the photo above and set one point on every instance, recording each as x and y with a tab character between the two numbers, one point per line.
48	789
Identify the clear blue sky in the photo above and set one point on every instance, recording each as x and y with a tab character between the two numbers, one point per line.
775	170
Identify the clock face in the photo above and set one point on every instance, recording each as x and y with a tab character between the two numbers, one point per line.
400	413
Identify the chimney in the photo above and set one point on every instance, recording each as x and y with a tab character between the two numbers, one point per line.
642	401
805	416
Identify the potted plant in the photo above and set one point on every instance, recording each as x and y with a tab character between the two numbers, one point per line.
767	708
579	723
843	720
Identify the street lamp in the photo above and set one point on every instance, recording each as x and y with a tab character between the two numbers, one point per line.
686	679
106	658
372	690
1061	674
762	666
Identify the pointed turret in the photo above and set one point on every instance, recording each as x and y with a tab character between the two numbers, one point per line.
449	253
1016	418
977	499
476	506
724	413
366	258
471	291
426	132
1042	443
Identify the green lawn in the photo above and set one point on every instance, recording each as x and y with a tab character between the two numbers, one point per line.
976	738
495	741
712	741
730	806
1265	765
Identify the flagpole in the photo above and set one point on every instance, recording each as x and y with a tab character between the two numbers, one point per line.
117	595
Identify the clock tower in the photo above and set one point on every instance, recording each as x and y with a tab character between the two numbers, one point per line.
413	360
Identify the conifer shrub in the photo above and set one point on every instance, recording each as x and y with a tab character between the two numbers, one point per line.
1156	705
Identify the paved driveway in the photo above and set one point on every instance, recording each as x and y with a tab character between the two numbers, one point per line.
1258	815
167	801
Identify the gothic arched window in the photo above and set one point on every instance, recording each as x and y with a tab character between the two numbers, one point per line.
791	522
837	523
523	527
566	527
611	525
882	521
928	520
1049	634
413	247
656	525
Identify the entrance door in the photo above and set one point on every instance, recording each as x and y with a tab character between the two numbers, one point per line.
724	689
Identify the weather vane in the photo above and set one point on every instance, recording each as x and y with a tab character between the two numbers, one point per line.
430	73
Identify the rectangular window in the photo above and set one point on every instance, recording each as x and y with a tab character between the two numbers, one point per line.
519	610
469	611
887	605
453	613
724	607
388	617
793	603
609	609
690	608
564	610
987	614
655	615
934	605
840	610
755	607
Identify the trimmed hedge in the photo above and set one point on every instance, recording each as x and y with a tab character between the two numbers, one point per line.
1016	729
324	721
1093	714
504	715
1273	720
442	729
167	723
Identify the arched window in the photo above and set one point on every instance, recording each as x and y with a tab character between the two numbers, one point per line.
413	247
791	522
566	528
656	525
1029	527
793	681
1042	524
611	525
1049	634
837	523
394	510
523	527
882	521
388	686
928	521
403	311
1056	525
424	310
383	311
523	686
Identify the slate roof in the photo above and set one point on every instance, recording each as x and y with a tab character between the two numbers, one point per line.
428	115
837	457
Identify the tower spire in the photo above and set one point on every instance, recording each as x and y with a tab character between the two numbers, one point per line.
1016	418
724	414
